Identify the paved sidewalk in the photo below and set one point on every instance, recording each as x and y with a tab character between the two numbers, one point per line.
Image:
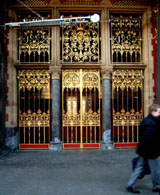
68	173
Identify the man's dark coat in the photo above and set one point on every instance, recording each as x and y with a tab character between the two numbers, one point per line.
149	137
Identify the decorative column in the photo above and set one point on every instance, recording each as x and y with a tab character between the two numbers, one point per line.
56	143
106	107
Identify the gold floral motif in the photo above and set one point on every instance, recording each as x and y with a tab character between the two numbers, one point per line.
127	104
80	43
71	119
126	38
34	45
127	79
91	119
91	79
81	106
127	118
39	79
32	119
71	79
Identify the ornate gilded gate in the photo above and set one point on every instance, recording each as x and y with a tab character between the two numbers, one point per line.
127	106
34	109
81	108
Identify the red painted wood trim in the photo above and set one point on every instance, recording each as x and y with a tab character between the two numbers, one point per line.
93	145
33	146
71	146
125	145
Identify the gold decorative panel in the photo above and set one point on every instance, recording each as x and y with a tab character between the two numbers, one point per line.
34	44
81	106
127	105
34	106
126	38
80	43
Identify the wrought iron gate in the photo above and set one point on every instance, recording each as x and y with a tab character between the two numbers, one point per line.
34	109
81	108
127	106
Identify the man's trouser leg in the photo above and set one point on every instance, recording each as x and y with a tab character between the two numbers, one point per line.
137	172
153	163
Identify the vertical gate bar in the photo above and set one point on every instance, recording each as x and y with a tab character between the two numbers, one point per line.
49	43
72	114
19	103
24	130
71	134
29	129
127	111
118	99
124	110
99	105
137	112
113	106
34	134
44	120
132	133
142	90
123	99
132	123
111	42
76	114
127	99
118	108
86	134
76	134
67	118
98	43
86	111
94	89
67	135
81	88
116	56
39	121
91	136
90	94
49	99
25	112
118	134
95	134
123	133
39	130
128	133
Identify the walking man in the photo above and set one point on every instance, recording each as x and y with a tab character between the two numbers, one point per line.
148	149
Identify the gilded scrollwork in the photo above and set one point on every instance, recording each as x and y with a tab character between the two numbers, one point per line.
34	119
39	79
74	115
34	106
126	38
71	79
124	118
91	79
80	43
34	45
127	104
91	118
127	79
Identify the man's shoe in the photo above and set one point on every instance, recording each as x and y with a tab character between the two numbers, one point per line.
156	190
133	190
